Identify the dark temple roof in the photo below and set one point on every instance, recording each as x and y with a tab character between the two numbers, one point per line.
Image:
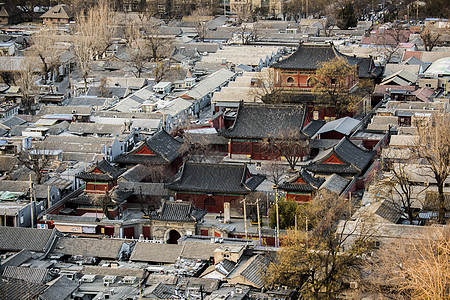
354	159
102	171
266	121
178	211
164	147
219	178
309	184
309	57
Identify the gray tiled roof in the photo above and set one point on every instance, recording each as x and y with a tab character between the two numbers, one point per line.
119	92
252	270
13	289
335	184
266	121
17	238
163	145
389	211
33	275
156	253
354	159
310	184
105	248
16	259
309	57
221	178
178	211
162	291
14	121
108	172
255	271
312	127
208	285
61	288
342	125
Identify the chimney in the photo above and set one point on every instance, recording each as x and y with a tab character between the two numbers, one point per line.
227	212
128	124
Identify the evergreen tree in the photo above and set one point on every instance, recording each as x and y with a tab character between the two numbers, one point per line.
347	17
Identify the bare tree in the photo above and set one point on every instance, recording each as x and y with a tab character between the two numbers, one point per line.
249	32
315	263
389	40
159	47
264	87
413	267
94	33
430	36
138	47
333	82
291	145
275	171
433	146
37	159
200	18
44	46
399	189
26	80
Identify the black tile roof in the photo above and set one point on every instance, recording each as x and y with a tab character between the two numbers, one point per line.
219	178
208	285
108	172
13	289
165	147
16	259
354	159
310	184
18	238
389	211
163	291
266	121
88	199
312	127
335	184
178	211
62	288
309	57
34	275
255	270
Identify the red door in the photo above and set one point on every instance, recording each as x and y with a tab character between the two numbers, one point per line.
128	232
146	232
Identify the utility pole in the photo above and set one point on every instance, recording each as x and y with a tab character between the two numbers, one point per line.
48	197
31	203
259	221
245	219
278	218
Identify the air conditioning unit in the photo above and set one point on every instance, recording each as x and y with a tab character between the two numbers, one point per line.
107	280
353	285
129	280
88	278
